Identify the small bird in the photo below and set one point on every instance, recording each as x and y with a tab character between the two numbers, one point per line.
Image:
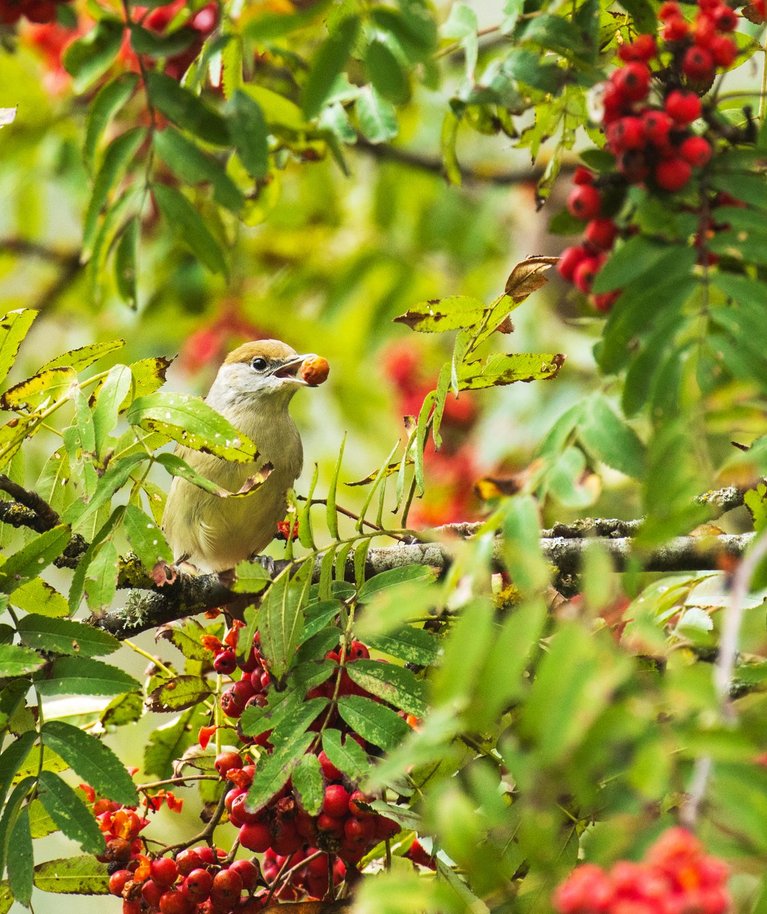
253	389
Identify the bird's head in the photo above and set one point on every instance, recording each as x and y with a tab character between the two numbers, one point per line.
262	370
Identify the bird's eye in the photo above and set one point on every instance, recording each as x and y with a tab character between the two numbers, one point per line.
258	364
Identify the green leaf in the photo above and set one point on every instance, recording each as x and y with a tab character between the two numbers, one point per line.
120	154
84	356
12	758
124	709
68	811
411	645
499	369
187	639
177	466
6	898
273	771
73	876
189	226
41	390
250	577
637	257
395	684
308	784
179	105
178	693
296	719
107	404
281	621
30	560
146	538
464	653
14	326
108	101
126	270
10	813
643	14
394	577
386	73
18	661
188	162
101	577
520	546
165	44
346	754
84	676
91	56
438	315
373	722
20	860
377	117
331	509
65	636
169	742
609	439
91	760
750	188
250	134
191	422
328	63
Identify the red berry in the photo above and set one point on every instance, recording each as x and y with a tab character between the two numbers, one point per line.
672	174
657	126
328	768
361	831
336	800
187	861
601	233
584	202
247	871
605	300
669	10
240	814
227	886
358	802
287	839
586	273
129	907
226	760
152	892
675	29
583	175
698	64
231	704
326	823
643	47
587	888
174	902
696	150
626	133
256	837
117	881
198	884
225	662
725	17
633	80
569	260
683	107
358	651
163	870
723	50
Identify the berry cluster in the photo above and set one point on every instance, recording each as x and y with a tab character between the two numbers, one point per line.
676	877
345	828
199	880
648	108
33	10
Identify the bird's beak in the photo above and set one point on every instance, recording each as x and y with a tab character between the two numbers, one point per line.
291	367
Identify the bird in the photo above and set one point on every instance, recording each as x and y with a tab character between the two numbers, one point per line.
253	390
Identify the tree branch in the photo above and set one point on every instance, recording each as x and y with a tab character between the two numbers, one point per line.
189	595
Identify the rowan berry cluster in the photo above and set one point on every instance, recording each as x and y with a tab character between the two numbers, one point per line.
676	877
33	10
345	829
649	107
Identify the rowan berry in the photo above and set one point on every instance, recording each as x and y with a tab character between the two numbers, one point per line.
696	150
198	885
247	871
657	126
227	760
633	80
669	10
226	887
675	29
175	902
255	836
672	174
188	860
152	892
225	662
626	133
569	260
336	800
118	880
682	106
328	768
725	17
163	870
698	64
601	233
643	47
586	273
723	50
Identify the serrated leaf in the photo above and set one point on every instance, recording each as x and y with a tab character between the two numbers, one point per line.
148	375
327	64
191	422
125	262
186	110
12	758
250	134
84	356
441	314
41	390
18	661
70	813
411	645
193	166
394	577
85	676
394	684
187	639
377	117
346	754
40	823
374	722
65	636
21	859
308	784
146	538
101	577
296	719
178	693
14	326
73	876
77	585
124	709
609	439
177	466
250	577
91	760
273	771
107	102
281	621
190	228
31	559
500	369
89	57
386	73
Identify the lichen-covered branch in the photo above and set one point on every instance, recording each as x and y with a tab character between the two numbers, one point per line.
189	595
